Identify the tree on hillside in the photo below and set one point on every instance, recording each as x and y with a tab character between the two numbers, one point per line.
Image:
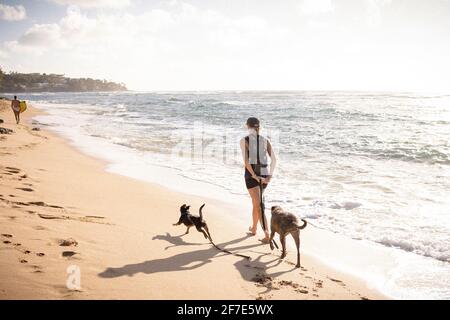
42	82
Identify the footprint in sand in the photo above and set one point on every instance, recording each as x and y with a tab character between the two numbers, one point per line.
27	252
286	283
20	203
68	254
37	269
6	236
337	281
37	203
261	278
301	291
26	189
54	206
43	204
297	287
40	254
49	216
23	261
68	242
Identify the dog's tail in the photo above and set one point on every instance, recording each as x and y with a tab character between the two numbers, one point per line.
200	211
304	224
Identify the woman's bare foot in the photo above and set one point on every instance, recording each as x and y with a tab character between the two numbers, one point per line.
251	231
264	240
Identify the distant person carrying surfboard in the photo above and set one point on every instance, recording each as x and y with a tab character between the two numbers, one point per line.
18	107
15	106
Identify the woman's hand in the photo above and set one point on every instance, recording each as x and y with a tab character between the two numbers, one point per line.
256	178
266	180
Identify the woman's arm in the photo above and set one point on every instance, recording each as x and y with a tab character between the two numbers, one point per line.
247	165
273	159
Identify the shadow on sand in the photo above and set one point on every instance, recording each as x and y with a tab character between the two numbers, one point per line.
175	241
196	259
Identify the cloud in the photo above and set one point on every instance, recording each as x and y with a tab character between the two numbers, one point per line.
316	7
3	55
171	42
40	35
89	4
174	45
12	13
186	25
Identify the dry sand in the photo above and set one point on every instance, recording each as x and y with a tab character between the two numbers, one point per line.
125	245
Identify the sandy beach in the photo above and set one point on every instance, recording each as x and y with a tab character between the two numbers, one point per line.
124	243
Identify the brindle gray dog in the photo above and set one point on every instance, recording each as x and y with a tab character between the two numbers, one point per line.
284	223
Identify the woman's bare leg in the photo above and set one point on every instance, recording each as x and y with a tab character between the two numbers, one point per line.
254	194
256	213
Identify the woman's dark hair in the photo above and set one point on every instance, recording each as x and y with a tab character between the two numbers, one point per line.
15	97
253	122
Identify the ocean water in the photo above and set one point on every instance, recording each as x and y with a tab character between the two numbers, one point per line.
373	167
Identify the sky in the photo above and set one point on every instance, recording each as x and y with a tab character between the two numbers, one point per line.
366	45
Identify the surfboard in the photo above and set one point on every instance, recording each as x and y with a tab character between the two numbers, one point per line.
23	106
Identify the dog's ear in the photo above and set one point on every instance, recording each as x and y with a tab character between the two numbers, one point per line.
188	207
275	208
183	206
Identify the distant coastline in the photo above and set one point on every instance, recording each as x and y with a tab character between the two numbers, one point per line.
42	82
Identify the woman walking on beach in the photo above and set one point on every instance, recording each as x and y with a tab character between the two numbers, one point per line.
15	106
255	149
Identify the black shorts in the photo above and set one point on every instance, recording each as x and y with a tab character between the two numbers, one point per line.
251	183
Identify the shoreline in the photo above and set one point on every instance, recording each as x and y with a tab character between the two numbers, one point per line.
107	214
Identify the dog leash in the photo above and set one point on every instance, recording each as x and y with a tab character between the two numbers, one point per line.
261	190
229	252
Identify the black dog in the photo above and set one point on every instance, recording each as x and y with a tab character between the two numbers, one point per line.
190	220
